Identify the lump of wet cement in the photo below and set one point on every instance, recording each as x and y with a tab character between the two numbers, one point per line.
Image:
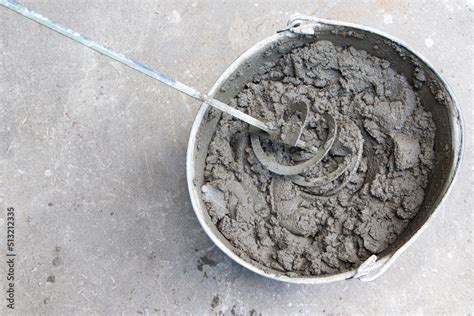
303	230
406	151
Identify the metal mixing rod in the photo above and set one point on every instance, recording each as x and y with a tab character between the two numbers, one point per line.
291	136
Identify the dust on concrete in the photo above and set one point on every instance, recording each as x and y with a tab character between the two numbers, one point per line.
57	260
215	301
211	259
301	224
206	261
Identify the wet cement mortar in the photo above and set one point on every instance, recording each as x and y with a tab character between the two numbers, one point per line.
352	203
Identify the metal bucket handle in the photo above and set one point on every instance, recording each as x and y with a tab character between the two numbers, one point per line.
371	269
304	25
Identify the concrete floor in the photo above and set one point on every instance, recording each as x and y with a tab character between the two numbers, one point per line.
93	160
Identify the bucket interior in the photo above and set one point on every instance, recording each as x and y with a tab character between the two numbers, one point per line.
434	96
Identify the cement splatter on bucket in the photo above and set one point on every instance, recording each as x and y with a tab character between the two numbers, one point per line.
435	96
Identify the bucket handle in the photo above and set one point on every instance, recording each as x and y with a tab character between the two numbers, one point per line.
372	268
305	25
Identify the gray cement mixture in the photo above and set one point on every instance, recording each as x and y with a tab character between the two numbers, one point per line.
357	199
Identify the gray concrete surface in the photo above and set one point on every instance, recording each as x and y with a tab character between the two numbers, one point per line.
92	157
